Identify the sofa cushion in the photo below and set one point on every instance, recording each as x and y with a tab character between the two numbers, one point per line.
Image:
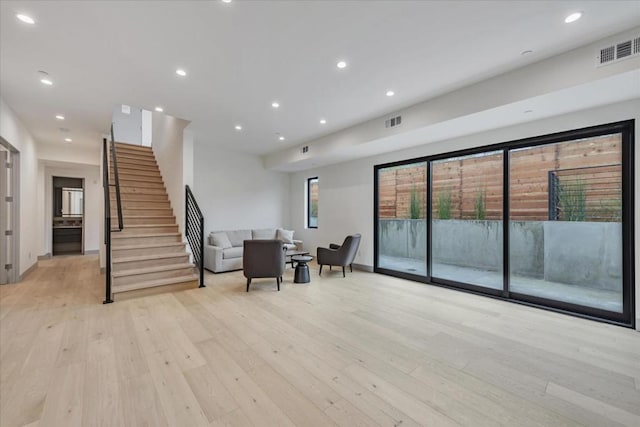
290	246
235	252
220	239
236	237
264	234
285	235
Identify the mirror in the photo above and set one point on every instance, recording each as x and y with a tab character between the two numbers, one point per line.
72	202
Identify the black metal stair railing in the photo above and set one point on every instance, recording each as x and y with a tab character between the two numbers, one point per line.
106	185
194	231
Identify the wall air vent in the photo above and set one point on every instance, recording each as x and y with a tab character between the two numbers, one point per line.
393	122
619	51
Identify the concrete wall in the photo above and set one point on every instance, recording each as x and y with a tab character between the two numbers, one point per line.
586	254
583	253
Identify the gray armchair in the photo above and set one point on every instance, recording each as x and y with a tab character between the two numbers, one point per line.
340	255
263	258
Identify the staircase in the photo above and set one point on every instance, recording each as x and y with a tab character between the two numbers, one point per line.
149	251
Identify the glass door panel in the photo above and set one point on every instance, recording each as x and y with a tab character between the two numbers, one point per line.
565	228
466	219
402	223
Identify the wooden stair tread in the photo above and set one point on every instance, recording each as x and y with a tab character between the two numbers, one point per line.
150	246
136	236
148	257
154	283
154	269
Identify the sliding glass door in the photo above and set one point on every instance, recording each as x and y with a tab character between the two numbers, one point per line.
547	221
466	219
402	224
565	225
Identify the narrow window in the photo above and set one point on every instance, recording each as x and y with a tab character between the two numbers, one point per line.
312	202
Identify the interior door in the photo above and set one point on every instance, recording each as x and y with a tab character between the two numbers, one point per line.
7	261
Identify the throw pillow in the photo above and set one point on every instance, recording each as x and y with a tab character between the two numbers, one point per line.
285	235
221	240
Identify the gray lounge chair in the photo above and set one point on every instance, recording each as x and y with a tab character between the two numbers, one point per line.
263	258
340	255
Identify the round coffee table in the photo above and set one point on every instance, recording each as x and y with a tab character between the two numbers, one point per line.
301	274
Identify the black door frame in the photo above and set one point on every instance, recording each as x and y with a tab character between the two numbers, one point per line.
627	316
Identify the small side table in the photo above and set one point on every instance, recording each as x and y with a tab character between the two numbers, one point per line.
301	274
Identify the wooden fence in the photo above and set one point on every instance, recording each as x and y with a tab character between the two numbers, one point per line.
474	184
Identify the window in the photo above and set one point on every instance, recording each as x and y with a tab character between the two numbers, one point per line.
547	221
312	202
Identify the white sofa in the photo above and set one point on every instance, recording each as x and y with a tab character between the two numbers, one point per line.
226	255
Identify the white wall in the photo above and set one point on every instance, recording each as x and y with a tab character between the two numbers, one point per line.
346	189
15	133
127	127
168	146
235	191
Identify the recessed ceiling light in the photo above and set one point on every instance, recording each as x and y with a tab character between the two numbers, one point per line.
238	127
25	18
46	81
573	17
226	1
323	122
68	140
60	117
159	109
341	64
390	93
181	72
281	138
275	104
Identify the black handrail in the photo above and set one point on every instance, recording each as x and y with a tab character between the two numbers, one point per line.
117	180
107	220
106	149
194	230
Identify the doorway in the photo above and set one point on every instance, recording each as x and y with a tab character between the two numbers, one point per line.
68	216
9	261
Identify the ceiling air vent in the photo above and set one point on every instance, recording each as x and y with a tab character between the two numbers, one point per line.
619	51
305	149
393	122
623	49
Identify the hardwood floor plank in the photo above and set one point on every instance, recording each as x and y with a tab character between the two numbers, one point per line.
364	350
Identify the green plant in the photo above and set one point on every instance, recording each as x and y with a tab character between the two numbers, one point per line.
610	210
572	196
480	206
415	204
444	204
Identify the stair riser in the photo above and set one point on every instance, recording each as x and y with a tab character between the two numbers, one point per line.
129	241
122	171
122	154
140	179
136	190
151	230
142	185
122	253
126	280
132	163
167	212
124	266
129	200
144	221
133	148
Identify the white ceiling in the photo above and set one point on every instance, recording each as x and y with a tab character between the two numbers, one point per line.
242	56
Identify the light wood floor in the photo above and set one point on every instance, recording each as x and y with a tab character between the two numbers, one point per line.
362	351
